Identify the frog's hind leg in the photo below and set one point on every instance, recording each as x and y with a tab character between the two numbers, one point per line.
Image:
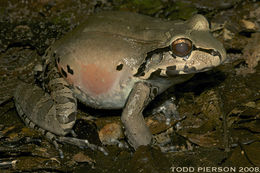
50	136
62	95
38	110
66	107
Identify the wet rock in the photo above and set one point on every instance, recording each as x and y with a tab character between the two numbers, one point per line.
247	155
87	130
203	125
148	160
204	157
110	133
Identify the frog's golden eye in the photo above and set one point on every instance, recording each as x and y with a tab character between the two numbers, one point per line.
181	47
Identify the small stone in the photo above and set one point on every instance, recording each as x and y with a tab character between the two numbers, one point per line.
248	24
251	104
110	133
81	157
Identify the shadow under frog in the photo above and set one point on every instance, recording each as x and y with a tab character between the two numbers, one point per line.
115	60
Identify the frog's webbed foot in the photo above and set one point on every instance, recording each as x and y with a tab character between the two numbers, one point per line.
50	136
135	127
169	109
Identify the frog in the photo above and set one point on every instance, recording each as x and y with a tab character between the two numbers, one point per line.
115	60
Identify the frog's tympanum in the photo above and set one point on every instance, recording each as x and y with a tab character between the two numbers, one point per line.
116	60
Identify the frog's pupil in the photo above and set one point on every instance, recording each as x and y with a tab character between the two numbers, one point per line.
182	48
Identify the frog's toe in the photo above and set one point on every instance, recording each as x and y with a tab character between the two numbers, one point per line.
50	136
53	139
116	142
82	143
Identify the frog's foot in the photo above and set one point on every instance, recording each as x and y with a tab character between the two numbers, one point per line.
82	143
54	139
50	136
169	109
116	142
119	143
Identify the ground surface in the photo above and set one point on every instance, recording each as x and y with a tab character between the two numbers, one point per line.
222	107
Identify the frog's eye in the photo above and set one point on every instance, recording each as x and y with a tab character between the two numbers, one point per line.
181	47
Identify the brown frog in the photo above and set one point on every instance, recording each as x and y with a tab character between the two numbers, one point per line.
116	60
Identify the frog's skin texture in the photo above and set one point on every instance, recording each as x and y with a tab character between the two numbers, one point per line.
119	60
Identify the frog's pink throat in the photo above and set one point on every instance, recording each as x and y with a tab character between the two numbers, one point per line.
91	79
95	79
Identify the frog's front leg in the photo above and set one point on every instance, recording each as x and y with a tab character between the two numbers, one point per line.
135	127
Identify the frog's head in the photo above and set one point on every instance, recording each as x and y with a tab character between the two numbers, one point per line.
191	48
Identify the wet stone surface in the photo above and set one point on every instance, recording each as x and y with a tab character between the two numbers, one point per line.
219	109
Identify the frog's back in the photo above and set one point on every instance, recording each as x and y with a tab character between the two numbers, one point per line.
131	25
100	57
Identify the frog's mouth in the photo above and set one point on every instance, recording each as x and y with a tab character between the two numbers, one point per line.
173	70
200	61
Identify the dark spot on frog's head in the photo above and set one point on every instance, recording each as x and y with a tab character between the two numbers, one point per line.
119	67
155	74
171	71
54	54
189	70
63	72
173	68
70	70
